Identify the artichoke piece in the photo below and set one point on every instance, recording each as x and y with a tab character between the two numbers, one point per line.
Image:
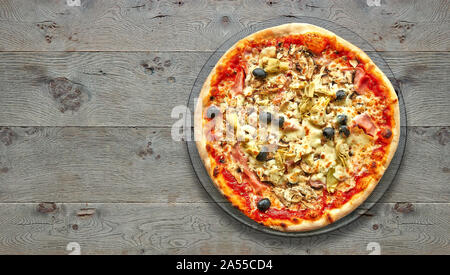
273	65
342	152
332	182
280	159
309	90
269	51
306	105
324	91
298	85
318	111
314	86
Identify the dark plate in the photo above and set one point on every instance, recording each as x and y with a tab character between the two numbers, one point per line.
348	35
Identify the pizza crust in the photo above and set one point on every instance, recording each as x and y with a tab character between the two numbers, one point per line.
328	216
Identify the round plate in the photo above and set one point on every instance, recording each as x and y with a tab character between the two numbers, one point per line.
348	35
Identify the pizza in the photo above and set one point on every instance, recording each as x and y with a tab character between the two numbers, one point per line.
296	126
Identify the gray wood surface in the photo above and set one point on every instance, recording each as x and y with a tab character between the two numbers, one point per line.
141	25
86	153
198	228
103	164
126	89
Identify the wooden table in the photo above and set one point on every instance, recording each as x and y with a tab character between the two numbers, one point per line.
86	154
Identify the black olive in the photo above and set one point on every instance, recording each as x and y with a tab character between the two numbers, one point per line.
340	95
343	130
386	133
263	204
265	117
212	112
259	73
263	155
328	132
281	121
341	119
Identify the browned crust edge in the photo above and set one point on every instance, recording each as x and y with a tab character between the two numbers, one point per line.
328	216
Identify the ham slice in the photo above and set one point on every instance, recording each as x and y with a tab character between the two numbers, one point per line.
364	122
238	83
362	82
317	184
240	158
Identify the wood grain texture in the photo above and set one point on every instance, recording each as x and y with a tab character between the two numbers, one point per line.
116	89
142	25
141	89
72	164
86	153
196	228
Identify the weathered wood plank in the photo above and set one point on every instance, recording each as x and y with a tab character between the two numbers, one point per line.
196	228
141	89
72	164
116	89
140	25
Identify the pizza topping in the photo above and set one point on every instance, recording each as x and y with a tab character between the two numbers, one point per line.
269	52
239	83
280	121
340	95
212	112
341	119
328	132
365	122
254	181
387	133
362	81
317	184
353	62
342	152
259	73
265	117
332	182
263	204
262	155
344	131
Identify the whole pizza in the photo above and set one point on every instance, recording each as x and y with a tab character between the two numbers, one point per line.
296	126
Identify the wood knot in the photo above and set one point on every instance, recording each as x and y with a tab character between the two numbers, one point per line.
7	135
86	212
179	3
147	151
442	136
404	207
157	65
68	95
225	20
47	207
49	29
